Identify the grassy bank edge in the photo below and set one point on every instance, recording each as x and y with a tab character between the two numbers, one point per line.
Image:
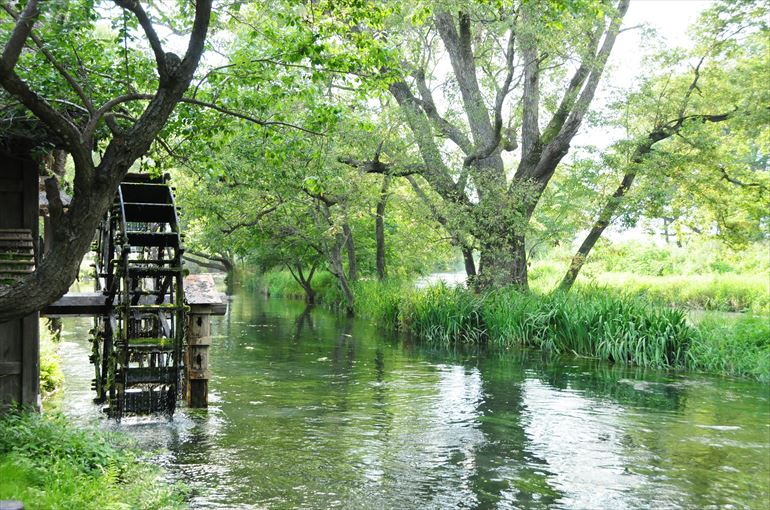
590	321
49	463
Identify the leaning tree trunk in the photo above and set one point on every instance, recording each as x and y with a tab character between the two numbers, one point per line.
641	152
350	247
338	270
379	226
602	222
94	185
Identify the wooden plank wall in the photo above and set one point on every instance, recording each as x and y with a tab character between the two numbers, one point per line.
19	339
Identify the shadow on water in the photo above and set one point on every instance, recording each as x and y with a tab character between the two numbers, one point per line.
310	409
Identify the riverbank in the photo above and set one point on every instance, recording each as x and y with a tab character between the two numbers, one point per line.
49	463
589	322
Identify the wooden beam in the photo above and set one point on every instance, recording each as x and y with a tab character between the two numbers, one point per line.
200	294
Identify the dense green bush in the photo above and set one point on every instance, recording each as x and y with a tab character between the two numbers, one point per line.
48	463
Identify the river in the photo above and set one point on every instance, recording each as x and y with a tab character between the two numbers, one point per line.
312	410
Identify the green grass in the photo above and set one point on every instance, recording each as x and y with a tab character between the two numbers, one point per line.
698	277
720	292
587	322
48	463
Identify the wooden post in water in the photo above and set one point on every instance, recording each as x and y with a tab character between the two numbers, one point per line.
204	301
198	374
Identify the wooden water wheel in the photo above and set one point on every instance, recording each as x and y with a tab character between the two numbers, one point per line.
138	343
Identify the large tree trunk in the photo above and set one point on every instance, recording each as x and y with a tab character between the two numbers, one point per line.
379	226
470	264
503	263
60	265
338	270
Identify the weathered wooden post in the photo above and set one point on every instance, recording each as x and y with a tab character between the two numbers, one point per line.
198	374
204	301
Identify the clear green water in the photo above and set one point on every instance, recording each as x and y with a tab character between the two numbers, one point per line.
311	410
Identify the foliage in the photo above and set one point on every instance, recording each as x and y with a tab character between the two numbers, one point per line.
51	375
733	346
590	322
48	463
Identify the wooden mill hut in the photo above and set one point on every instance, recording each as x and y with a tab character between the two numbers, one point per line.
19	209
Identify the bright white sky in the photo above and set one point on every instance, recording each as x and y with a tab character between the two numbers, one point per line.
671	19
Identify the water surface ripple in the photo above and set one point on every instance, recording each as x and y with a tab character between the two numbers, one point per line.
311	410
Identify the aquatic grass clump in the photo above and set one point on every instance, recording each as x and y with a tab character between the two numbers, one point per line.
589	323
739	346
47	462
443	314
382	300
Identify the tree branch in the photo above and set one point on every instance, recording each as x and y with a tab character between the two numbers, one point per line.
261	214
106	107
376	166
429	107
575	117
138	11
19	35
49	56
